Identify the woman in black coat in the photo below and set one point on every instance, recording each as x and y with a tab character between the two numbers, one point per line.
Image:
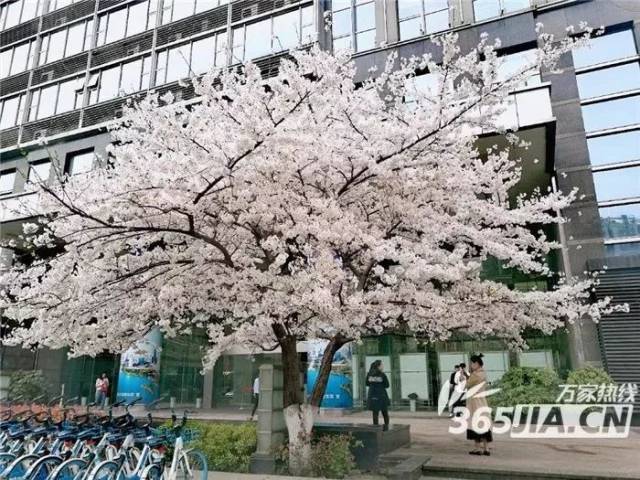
377	398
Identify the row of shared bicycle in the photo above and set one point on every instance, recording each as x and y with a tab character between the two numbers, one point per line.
56	441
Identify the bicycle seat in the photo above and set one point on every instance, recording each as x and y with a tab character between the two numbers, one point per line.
115	438
40	432
67	435
87	434
154	442
19	434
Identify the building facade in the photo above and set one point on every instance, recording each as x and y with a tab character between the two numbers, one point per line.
67	67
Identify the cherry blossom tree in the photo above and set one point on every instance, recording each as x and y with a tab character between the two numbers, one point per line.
299	207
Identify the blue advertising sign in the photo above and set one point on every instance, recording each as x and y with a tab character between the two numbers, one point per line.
339	393
140	369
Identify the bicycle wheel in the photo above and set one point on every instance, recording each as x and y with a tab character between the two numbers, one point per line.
151	472
69	470
104	471
192	466
42	468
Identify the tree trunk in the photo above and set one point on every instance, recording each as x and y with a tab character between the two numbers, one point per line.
298	416
325	370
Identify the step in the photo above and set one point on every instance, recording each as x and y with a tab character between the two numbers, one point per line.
475	473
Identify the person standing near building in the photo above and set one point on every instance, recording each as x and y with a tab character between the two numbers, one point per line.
460	386
255	395
377	398
102	389
452	386
479	428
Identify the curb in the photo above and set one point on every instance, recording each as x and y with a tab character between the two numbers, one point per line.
467	473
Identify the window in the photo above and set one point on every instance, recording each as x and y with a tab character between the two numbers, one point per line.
57	4
518	62
622	249
16	59
617	184
125	22
39	171
79	162
11	111
605	48
190	59
66	42
609	80
621	221
174	10
119	80
272	35
611	114
484	9
14	13
617	148
7	179
421	17
353	25
57	98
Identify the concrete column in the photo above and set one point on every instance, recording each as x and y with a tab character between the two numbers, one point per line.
271	425
461	12
387	27
207	389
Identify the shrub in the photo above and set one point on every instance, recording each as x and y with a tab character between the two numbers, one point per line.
331	457
524	385
27	384
227	446
589	376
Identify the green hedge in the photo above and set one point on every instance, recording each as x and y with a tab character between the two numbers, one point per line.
525	385
227	446
589	376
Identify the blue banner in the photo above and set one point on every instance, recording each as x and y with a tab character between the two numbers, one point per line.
140	369
339	393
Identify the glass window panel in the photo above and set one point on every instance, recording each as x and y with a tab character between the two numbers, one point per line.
80	163
411	28
13	14
7	180
5	62
182	9
131	75
617	184
431	6
341	44
33	109
20	58
88	36
39	172
308	25
366	40
409	8
483	9
47	104
29	10
9	112
109	83
67	96
237	51
617	148
513	5
286	31
146	73
428	84
611	114
102	29
117	25
56	46
605	48
167	11
517	62
609	80
341	23
203	54
221	49
258	40
75	40
622	249
437	22
161	68
365	17
137	21
178	63
621	221
202	5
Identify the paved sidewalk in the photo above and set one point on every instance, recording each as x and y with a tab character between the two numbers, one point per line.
610	458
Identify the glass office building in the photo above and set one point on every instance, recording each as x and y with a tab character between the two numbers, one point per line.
66	67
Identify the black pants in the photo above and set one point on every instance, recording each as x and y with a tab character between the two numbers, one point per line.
385	416
256	397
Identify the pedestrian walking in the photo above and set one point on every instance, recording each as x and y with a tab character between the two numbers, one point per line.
102	389
479	428
255	395
460	387
452	385
377	398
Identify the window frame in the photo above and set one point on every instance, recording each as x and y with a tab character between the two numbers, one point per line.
33	163
12	172
422	15
354	33
71	155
